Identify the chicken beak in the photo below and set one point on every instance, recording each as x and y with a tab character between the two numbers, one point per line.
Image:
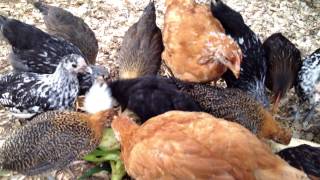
235	68
86	69
276	104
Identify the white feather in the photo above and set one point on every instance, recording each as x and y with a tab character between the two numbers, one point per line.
98	98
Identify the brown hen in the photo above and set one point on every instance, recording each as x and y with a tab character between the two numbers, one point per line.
194	145
196	46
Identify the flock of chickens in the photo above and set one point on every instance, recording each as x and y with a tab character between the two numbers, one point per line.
176	127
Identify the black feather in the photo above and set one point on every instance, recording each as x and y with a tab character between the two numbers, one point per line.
34	50
150	96
283	62
303	157
253	66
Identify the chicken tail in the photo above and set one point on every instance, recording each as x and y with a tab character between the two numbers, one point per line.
142	45
99	97
20	35
43	8
272	130
229	18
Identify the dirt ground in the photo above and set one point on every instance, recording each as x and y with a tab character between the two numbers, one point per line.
298	20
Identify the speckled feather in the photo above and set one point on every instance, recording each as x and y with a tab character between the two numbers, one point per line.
26	92
309	79
62	23
52	140
32	49
36	51
303	157
235	105
142	45
150	96
230	104
253	67
284	63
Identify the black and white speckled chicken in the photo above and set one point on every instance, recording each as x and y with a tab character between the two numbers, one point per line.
52	140
36	51
26	94
253	67
148	96
284	63
308	85
305	158
142	45
32	49
235	105
62	23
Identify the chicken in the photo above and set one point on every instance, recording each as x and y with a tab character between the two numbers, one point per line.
283	65
86	79
36	51
52	140
308	85
26	94
146	97
142	45
253	67
62	23
32	49
196	46
235	105
196	145
303	157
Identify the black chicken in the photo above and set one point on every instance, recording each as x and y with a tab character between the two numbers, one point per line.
284	63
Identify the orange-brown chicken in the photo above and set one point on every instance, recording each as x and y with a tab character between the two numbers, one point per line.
195	145
196	46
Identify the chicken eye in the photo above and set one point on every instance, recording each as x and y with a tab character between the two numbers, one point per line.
74	65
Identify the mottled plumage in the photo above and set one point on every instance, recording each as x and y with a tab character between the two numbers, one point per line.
150	96
253	67
283	62
32	49
308	83
26	93
309	79
142	45
235	105
62	23
305	158
51	141
36	51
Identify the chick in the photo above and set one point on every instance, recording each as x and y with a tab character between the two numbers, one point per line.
195	145
36	51
142	45
235	105
305	158
86	79
283	65
32	49
62	23
253	67
26	94
196	46
52	140
308	85
147	96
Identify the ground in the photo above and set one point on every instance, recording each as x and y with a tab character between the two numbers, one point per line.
298	20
